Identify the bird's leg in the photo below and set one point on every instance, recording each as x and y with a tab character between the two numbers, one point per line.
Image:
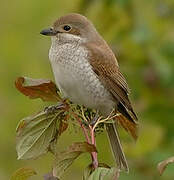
53	108
95	118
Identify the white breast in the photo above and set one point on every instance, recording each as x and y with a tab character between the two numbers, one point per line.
75	77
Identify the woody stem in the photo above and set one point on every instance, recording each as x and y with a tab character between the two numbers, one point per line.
93	141
90	141
85	132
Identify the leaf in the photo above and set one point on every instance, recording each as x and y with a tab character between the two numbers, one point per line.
63	125
23	174
37	88
128	126
87	172
103	165
35	134
65	159
102	173
162	165
89	169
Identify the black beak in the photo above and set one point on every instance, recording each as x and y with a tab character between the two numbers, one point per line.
48	32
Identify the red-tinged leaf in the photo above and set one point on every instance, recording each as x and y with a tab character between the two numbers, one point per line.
63	125
162	165
82	147
65	159
129	126
37	88
23	174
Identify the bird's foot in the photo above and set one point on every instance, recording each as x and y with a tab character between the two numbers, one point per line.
53	108
94	119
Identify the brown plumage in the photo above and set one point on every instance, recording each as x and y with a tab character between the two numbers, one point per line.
106	67
87	72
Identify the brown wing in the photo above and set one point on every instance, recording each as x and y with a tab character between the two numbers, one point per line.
106	67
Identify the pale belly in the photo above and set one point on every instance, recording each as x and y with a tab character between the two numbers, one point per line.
77	81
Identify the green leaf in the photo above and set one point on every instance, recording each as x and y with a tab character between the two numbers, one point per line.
65	159
36	134
23	174
87	172
102	173
89	169
162	165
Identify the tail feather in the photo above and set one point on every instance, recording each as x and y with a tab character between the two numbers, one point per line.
129	114
116	147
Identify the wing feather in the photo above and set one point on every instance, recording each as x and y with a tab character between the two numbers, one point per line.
106	67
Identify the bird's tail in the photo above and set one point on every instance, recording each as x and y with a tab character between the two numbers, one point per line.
116	146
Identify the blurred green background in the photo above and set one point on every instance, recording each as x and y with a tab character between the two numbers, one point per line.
141	33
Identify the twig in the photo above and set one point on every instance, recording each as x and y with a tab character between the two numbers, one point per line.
91	129
94	154
83	128
92	135
100	120
83	115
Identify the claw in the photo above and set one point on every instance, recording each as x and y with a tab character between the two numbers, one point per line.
50	109
53	108
94	120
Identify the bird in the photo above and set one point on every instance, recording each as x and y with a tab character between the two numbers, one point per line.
86	72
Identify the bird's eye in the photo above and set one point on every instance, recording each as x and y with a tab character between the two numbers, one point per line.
66	28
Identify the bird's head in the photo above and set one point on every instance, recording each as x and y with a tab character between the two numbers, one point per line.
72	27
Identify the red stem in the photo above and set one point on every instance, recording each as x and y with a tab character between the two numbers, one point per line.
93	154
90	141
85	132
